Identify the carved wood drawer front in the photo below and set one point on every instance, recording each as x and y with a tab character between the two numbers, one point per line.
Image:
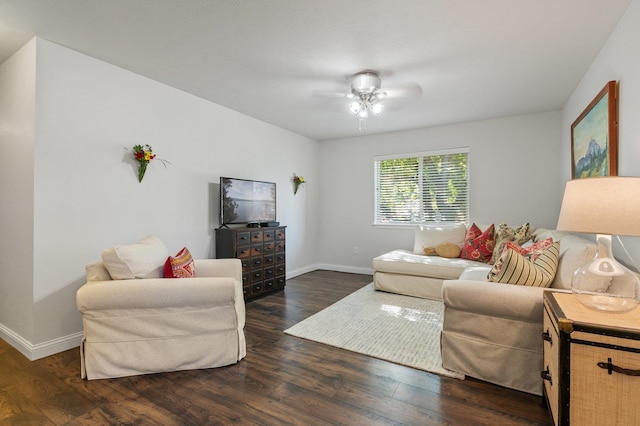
269	235
243	238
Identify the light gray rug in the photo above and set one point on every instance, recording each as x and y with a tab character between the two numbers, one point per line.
400	329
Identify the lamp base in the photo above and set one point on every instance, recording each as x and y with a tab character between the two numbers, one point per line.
604	284
607	303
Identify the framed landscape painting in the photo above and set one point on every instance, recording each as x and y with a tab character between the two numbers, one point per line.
594	137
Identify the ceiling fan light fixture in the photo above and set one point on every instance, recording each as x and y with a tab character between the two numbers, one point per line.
377	108
363	114
354	107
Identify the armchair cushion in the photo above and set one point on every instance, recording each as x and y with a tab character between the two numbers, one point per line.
142	260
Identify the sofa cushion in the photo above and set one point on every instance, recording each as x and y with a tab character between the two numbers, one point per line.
478	245
518	269
432	235
180	266
404	262
505	233
142	260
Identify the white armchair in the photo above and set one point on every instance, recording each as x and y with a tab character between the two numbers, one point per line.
150	325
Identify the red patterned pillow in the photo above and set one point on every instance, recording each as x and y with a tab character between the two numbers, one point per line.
479	245
180	266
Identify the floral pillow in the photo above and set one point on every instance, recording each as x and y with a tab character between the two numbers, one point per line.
506	233
478	245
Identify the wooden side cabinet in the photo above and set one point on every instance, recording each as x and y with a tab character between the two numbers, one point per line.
263	255
591	363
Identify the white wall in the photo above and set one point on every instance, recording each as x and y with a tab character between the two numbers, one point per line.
17	109
87	197
617	60
514	172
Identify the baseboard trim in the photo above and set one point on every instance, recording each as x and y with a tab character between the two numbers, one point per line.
329	267
39	350
345	268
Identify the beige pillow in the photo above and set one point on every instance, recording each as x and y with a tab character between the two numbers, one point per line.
448	250
142	260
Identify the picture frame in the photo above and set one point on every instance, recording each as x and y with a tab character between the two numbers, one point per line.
594	136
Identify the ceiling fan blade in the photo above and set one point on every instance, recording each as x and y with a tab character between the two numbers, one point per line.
329	94
405	91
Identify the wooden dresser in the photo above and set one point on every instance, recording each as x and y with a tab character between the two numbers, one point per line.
263	255
591	363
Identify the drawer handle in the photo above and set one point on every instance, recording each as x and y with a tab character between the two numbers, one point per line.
610	367
546	375
547	337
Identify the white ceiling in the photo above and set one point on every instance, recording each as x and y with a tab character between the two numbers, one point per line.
473	59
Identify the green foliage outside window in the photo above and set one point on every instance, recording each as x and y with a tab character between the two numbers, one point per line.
430	188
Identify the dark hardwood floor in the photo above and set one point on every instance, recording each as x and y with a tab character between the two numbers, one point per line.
283	380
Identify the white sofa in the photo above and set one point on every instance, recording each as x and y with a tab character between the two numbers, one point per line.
153	324
491	331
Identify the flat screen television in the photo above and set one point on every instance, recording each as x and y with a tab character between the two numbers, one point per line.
246	201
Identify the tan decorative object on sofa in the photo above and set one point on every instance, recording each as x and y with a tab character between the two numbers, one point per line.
448	250
150	325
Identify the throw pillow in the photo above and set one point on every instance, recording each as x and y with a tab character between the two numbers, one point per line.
478	245
448	250
505	233
431	235
180	266
518	269
531	251
142	260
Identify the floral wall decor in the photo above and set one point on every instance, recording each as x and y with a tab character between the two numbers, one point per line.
143	155
297	182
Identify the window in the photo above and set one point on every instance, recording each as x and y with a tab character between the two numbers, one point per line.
422	187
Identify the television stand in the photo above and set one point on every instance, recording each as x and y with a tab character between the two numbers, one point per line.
262	251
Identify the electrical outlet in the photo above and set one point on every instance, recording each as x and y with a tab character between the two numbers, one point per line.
356	250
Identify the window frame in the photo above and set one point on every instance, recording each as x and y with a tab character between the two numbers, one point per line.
421	154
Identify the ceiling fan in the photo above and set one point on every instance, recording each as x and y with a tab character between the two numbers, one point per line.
367	94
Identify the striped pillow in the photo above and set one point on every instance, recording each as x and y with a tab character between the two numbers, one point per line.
518	269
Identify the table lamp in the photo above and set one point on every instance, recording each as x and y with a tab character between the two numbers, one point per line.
604	206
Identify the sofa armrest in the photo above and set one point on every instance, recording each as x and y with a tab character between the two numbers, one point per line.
157	293
500	300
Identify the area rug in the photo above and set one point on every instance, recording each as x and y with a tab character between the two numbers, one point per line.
400	329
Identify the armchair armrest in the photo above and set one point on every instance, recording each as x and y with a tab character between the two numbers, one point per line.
219	268
157	293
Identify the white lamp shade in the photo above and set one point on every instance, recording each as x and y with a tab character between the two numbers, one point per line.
601	205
